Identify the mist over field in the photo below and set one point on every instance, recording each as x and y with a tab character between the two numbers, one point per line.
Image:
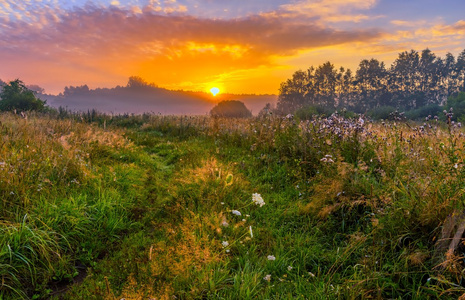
149	99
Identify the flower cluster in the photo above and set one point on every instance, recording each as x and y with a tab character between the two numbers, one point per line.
257	199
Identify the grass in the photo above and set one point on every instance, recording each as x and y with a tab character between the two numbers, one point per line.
149	205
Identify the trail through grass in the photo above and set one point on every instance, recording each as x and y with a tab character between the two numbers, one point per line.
157	207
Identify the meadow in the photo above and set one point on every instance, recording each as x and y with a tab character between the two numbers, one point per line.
95	206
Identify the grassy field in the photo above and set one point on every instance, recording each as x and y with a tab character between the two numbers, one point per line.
161	207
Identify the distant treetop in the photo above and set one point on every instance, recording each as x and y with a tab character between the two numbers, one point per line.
139	82
231	109
414	80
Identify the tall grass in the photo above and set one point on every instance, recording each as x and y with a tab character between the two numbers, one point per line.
354	209
378	193
68	191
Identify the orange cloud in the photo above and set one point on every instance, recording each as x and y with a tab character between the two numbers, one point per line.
164	48
331	11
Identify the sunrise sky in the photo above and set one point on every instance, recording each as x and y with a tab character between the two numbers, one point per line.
239	46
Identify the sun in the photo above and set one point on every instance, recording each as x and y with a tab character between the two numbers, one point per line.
214	91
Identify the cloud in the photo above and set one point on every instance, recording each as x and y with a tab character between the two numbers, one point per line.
420	34
92	30
409	23
158	41
330	11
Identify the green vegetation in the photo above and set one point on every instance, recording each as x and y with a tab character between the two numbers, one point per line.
109	207
414	81
457	103
16	96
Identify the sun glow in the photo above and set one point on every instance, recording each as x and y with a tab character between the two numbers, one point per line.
214	91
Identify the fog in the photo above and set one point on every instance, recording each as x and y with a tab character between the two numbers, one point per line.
148	99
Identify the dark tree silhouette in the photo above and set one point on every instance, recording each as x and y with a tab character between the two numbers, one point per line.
139	82
230	109
16	96
414	80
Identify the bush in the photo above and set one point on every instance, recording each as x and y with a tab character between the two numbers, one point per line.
231	109
422	112
16	96
382	112
457	103
307	112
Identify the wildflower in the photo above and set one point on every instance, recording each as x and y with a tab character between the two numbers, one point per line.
224	224
267	277
225	244
271	257
311	274
327	158
236	212
257	199
289	268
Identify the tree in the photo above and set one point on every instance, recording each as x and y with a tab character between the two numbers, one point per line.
230	109
371	78
36	89
414	80
76	90
460	69
16	96
326	79
137	82
292	92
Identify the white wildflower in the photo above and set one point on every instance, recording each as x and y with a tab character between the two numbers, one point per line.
257	199
267	277
289	268
271	257
327	159
225	243
224	224
236	212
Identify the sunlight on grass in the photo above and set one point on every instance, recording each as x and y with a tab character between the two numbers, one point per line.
198	207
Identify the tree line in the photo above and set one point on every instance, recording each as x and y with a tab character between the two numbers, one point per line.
414	80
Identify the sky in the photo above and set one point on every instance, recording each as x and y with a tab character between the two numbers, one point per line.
239	46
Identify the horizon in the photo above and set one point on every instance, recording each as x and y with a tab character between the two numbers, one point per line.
195	45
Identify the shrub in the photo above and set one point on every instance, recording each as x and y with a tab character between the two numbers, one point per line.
16	96
422	112
231	109
307	112
458	105
382	112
